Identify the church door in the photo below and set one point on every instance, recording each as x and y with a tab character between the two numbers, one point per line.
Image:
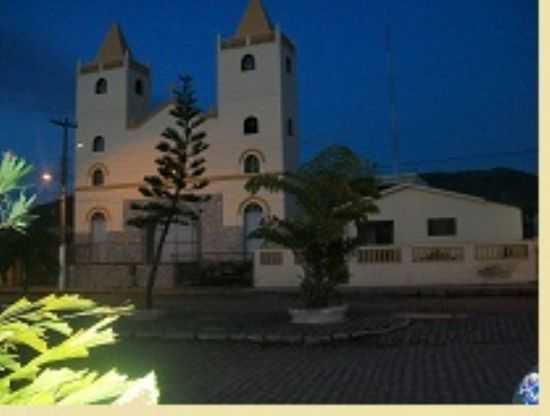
253	214
181	243
98	249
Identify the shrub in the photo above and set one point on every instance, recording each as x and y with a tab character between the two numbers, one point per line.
27	329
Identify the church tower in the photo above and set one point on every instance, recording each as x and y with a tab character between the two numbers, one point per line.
113	90
257	89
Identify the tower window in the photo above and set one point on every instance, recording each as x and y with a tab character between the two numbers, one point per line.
290	127
251	125
98	178
248	63
251	164
99	144
139	87
288	65
101	86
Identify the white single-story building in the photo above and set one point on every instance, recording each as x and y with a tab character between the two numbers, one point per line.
411	213
425	236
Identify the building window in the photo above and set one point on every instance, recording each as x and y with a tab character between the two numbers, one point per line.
290	127
251	164
99	144
376	232
288	65
98	178
248	63
441	227
101	86
139	87
251	125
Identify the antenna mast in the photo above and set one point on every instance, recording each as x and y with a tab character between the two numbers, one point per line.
393	105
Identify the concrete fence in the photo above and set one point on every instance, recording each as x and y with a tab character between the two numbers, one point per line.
414	265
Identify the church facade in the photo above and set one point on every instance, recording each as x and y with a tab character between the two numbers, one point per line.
253	129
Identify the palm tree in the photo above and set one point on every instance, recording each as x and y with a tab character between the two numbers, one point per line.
332	191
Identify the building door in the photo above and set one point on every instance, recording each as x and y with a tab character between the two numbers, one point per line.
98	249
253	214
181	245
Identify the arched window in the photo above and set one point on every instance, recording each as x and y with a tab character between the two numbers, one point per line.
98	227
139	87
252	164
251	125
248	63
98	178
101	86
288	64
253	214
99	144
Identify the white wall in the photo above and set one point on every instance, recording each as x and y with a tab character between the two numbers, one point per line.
130	152
477	220
407	273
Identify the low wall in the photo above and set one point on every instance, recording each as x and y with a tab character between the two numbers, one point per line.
108	276
414	265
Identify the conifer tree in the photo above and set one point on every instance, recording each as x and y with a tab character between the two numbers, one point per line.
172	193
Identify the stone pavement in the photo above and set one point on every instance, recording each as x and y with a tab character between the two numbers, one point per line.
471	361
478	357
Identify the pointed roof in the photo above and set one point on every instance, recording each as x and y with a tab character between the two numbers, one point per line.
255	20
114	46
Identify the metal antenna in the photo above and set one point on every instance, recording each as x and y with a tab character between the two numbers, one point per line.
393	105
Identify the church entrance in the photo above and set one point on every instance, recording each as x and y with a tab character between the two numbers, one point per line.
98	235
253	215
181	245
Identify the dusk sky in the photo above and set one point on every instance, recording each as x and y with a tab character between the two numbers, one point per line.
465	71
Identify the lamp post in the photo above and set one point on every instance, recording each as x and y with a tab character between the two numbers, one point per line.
66	125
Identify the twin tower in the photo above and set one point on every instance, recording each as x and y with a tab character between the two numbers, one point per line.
252	129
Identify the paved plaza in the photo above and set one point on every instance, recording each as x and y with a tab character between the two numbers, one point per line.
477	355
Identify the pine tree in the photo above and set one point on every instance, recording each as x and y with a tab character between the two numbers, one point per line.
180	168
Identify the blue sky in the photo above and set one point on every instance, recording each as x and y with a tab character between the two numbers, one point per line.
465	71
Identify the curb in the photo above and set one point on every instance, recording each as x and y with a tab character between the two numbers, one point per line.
265	338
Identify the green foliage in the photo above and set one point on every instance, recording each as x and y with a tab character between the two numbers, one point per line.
14	211
36	248
32	326
180	167
332	191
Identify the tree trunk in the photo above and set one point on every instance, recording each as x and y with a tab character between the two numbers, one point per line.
156	262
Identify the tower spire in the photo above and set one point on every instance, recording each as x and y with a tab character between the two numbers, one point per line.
114	46
255	20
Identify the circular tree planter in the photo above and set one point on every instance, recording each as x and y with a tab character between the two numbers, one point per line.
328	315
146	314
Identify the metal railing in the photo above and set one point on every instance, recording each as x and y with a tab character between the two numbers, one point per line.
120	253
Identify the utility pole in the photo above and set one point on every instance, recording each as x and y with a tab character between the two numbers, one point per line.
393	106
66	125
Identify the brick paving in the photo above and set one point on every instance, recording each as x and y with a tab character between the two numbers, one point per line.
474	360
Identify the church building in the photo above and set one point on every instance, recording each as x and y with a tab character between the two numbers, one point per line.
252	129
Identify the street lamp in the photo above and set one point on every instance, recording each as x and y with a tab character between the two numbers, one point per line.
65	124
47	177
